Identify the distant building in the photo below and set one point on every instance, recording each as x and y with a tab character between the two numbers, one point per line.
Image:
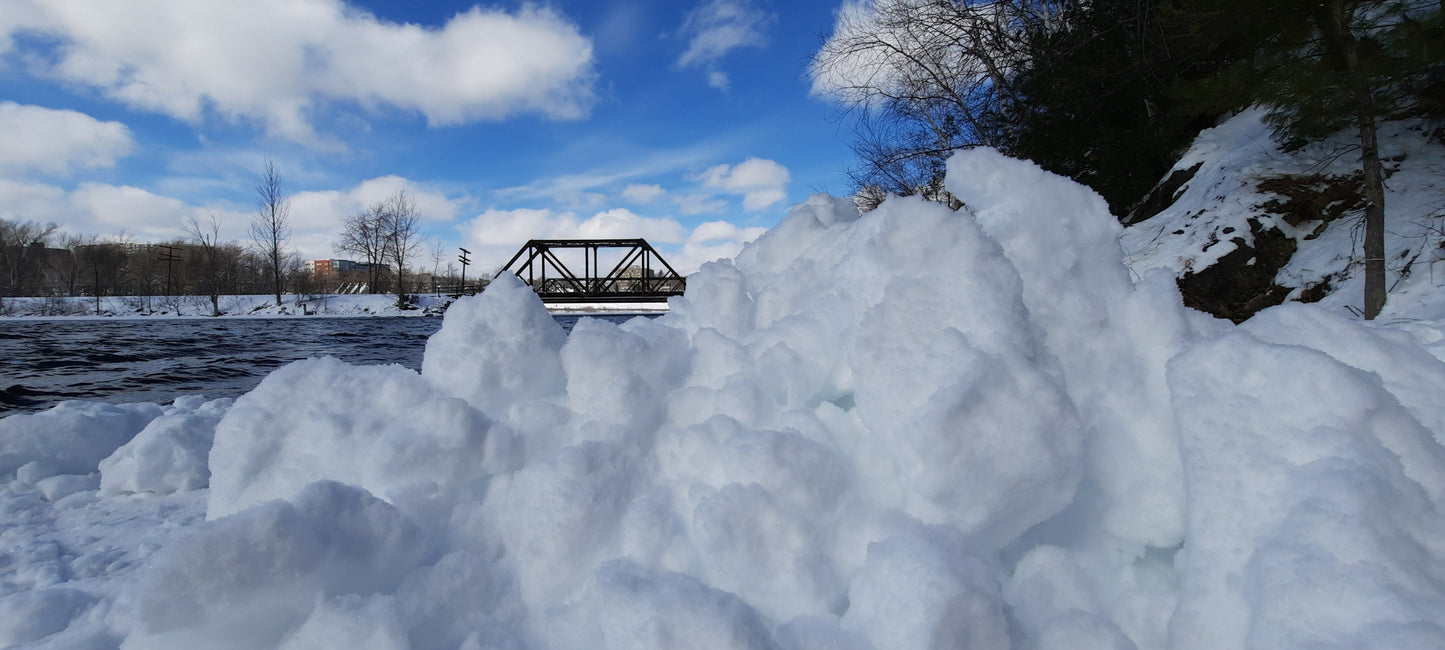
328	267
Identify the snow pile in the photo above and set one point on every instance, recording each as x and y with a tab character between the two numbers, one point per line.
914	428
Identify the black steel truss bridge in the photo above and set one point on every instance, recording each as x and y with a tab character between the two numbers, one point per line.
641	275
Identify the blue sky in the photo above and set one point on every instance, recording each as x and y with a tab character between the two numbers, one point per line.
690	123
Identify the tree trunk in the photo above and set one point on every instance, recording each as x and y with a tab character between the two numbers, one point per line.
1374	213
1365	110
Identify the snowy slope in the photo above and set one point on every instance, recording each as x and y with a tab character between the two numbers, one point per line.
1245	185
914	428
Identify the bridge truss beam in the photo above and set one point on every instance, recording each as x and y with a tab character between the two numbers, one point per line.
642	275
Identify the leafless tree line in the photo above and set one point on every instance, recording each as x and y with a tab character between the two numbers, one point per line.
39	260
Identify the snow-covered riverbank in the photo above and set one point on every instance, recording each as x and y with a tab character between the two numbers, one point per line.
345	305
915	428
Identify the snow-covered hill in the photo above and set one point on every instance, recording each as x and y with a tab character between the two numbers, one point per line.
1250	225
910	429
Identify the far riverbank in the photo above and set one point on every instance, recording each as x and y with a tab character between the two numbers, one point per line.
264	306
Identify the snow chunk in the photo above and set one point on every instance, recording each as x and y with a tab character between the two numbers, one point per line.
919	591
1304	528
33	615
630	607
70	438
170	454
250	580
382	428
497	349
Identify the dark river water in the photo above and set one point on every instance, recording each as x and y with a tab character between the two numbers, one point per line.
43	362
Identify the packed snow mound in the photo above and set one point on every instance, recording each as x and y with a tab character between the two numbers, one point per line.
913	428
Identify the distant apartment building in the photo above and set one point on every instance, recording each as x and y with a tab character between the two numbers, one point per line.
330	267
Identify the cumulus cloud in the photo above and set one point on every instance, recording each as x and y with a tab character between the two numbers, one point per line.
31	201
637	193
280	61
713	240
58	141
717	27
327	208
495	235
761	182
103	209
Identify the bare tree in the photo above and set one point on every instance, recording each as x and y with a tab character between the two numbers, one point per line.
438	253
105	265
271	226
22	254
70	270
403	236
924	78
364	235
207	237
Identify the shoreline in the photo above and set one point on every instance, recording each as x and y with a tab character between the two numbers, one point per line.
32	308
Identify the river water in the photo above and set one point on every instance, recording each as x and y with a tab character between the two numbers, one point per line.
43	362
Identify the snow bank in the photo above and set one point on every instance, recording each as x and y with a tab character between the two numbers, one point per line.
915	428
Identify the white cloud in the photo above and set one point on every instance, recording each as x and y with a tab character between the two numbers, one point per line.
280	61
57	141
317	216
761	182
141	213
717	27
638	193
103	209
699	203
712	241
581	200
718	79
494	235
21	201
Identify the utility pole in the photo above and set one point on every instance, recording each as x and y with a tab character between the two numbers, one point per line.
465	262
169	257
